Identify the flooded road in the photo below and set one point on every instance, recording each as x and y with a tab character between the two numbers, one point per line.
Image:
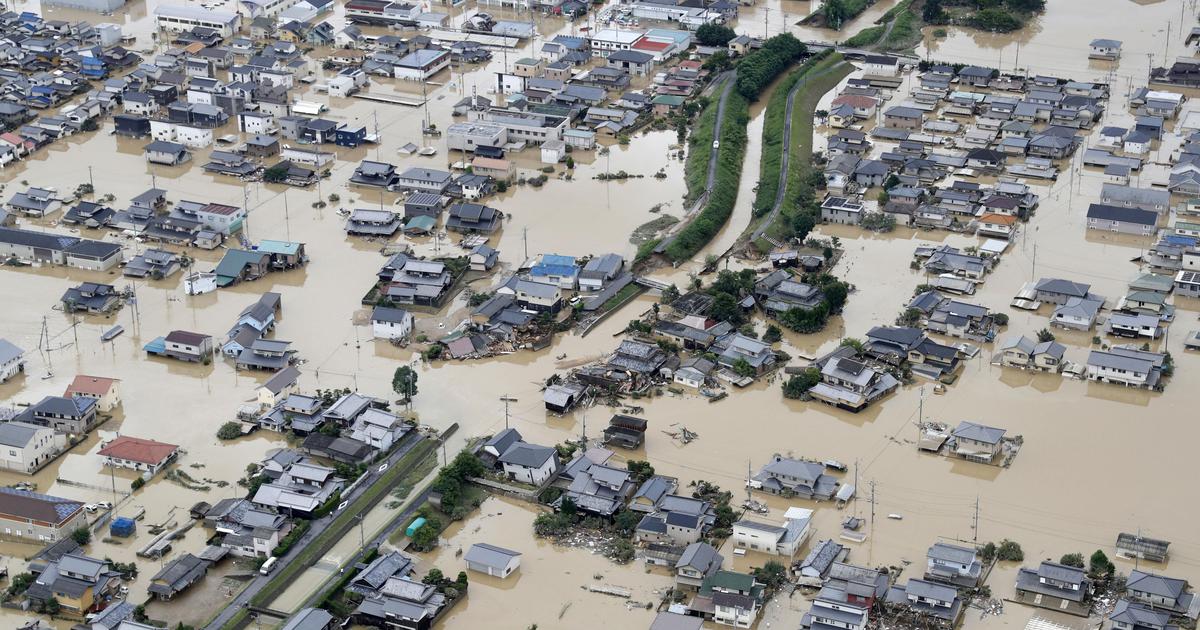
1082	440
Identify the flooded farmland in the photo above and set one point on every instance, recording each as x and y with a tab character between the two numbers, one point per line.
1094	460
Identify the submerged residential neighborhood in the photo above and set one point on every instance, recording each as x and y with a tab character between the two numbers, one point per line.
665	314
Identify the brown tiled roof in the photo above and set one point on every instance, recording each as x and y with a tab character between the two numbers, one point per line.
89	385
185	337
138	450
22	505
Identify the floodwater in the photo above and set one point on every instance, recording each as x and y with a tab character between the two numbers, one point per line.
550	588
1079	437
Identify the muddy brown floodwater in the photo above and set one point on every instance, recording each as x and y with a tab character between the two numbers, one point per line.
1094	463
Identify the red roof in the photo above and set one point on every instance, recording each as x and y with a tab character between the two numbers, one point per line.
138	450
89	385
219	208
855	100
649	44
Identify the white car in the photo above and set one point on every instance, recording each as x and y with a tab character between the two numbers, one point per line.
716	144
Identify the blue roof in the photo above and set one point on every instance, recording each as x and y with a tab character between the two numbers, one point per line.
287	248
1180	239
158	346
553	270
558	259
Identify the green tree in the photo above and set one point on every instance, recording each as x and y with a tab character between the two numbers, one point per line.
773	334
642	470
461	582
1009	551
725	308
714	35
799	384
276	174
82	535
570	162
426	536
933	13
1045	335
1072	560
229	431
772	574
404	382
626	521
1099	566
742	367
50	607
434	577
20	583
835	13
670	294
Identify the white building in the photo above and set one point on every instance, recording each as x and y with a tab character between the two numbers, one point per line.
492	560
608	40
178	18
419	65
378	428
775	540
12	360
25	447
529	463
391	323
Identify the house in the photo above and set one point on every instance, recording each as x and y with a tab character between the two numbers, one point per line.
378	429
66	415
1056	587
698	562
1058	291
391	323
841	210
155	264
1158	201
1105	49
599	271
634	62
12	360
901	117
774	540
483	257
26	447
977	442
792	477
28	516
165	152
729	599
177	576
277	388
492	560
1121	219
188	346
529	463
1126	366
936	602
850	383
1127	615
105	391
1077	313
599	489
301	488
997	225
1135	325
79	584
35	202
1017	351
469	218
139	454
1162	593
92	298
953	564
737	349
538	296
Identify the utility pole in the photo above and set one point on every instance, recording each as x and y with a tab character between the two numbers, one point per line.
975	525
506	399
91	182
872	504
287	220
525	239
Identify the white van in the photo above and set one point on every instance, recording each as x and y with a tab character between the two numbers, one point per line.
267	566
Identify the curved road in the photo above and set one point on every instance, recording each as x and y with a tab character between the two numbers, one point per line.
729	77
787	152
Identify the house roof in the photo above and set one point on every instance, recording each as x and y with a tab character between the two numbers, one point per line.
388	314
978	432
138	450
282	380
187	338
1136	216
490	555
1160	585
1065	287
42	507
18	434
87	385
527	455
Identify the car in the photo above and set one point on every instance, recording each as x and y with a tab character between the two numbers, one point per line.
716	144
104	505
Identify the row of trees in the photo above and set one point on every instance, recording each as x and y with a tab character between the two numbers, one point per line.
758	69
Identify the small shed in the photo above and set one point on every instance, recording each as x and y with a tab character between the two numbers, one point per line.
122	526
625	431
492	560
414	526
1138	546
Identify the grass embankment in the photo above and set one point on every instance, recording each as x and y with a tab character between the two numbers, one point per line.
800	196
395	475
905	30
772	143
836	13
695	169
732	154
